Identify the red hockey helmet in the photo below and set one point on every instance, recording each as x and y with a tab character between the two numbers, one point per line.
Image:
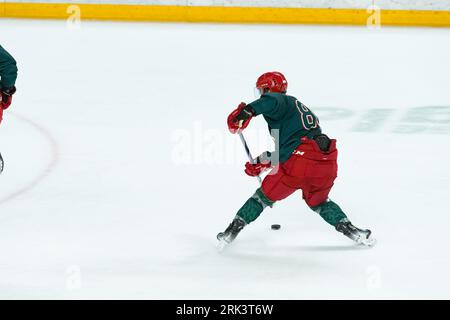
272	82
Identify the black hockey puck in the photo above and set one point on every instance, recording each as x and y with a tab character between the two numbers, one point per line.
276	227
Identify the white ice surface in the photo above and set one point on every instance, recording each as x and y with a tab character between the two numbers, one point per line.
94	205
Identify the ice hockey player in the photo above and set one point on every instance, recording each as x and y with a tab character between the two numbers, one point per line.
8	75
305	159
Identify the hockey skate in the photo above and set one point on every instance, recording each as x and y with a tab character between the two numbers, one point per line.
360	236
230	233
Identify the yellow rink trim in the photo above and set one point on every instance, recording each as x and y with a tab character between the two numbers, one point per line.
124	12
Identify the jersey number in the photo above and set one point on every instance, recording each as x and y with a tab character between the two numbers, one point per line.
309	119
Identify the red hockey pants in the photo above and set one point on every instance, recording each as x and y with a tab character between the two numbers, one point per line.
308	169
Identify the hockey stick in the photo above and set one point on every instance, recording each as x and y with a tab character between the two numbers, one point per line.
252	161
249	155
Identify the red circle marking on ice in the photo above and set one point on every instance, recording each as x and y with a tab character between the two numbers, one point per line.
48	168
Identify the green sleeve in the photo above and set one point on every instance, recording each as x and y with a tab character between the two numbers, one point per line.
8	69
266	105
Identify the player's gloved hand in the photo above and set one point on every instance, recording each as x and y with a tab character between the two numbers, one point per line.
261	163
6	97
255	169
240	117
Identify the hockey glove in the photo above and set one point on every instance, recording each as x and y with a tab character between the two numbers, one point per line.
261	164
6	97
255	169
240	118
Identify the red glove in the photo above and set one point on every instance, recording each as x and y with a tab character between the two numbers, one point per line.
6	97
1	113
255	169
239	118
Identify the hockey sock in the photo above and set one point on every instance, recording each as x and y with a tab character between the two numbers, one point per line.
330	212
254	206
